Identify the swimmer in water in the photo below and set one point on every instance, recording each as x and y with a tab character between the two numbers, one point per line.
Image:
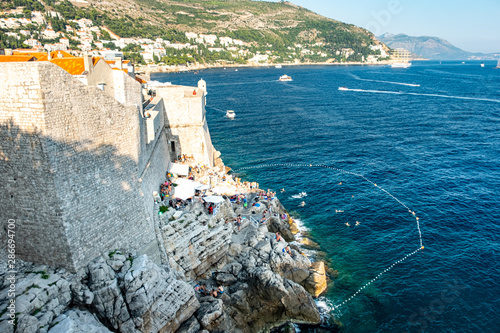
347	224
282	190
340	183
357	223
302	203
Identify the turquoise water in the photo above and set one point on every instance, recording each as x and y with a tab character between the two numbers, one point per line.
428	135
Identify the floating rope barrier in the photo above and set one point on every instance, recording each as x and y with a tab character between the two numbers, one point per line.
421	247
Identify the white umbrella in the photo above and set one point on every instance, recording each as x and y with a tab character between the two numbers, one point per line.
184	188
202	187
214	199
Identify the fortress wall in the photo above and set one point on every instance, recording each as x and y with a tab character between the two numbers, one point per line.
185	121
155	157
90	147
96	166
27	186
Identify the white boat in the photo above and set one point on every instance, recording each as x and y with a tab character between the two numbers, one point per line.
285	78
343	88
401	64
482	64
498	65
278	66
230	114
402	58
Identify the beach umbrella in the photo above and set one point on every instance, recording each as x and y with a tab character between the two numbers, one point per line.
202	187
214	199
184	188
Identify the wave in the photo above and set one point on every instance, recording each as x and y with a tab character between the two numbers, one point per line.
420	94
390	82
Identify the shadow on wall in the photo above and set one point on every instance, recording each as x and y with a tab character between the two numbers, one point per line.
69	201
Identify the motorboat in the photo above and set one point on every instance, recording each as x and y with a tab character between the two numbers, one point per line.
285	78
230	114
278	66
343	88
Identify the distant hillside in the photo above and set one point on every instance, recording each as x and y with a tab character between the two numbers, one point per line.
433	48
278	31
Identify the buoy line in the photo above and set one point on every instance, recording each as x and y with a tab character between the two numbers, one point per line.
421	247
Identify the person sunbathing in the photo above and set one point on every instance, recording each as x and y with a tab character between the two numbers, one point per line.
277	237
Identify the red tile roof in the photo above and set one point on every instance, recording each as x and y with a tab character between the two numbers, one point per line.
16	58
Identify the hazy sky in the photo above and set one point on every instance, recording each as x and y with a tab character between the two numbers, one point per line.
473	26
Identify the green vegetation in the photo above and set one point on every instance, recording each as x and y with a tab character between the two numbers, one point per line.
281	30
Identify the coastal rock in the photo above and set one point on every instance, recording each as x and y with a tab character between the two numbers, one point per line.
315	284
225	279
210	314
42	296
150	290
194	246
189	326
75	321
275	224
299	304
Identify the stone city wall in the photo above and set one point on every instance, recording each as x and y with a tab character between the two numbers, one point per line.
186	122
71	168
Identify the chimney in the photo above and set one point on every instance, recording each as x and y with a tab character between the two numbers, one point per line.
88	64
118	62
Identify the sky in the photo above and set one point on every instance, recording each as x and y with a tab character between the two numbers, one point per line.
473	26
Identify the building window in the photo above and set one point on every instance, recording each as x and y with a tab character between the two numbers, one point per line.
172	145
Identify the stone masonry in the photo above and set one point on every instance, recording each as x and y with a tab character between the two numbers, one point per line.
69	162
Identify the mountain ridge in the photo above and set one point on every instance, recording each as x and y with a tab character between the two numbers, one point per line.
431	47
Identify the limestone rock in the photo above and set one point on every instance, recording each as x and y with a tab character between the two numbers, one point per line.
150	291
274	225
210	314
189	326
76	321
225	279
41	296
315	284
299	304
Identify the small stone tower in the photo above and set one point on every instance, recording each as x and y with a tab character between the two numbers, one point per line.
202	85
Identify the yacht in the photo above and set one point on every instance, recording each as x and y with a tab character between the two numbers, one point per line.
278	66
482	64
285	78
230	114
343	88
498	65
401	56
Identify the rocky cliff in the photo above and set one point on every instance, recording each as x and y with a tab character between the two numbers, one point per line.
122	292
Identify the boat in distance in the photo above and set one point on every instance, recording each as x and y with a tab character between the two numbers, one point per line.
343	88
278	66
230	114
285	78
401	64
401	57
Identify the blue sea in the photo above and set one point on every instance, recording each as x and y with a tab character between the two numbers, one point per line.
399	144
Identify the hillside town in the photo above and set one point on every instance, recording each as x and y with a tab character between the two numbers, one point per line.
37	30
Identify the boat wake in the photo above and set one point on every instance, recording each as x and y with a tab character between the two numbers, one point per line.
300	195
389	82
419	94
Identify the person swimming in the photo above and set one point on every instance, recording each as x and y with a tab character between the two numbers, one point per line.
357	223
302	203
347	224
